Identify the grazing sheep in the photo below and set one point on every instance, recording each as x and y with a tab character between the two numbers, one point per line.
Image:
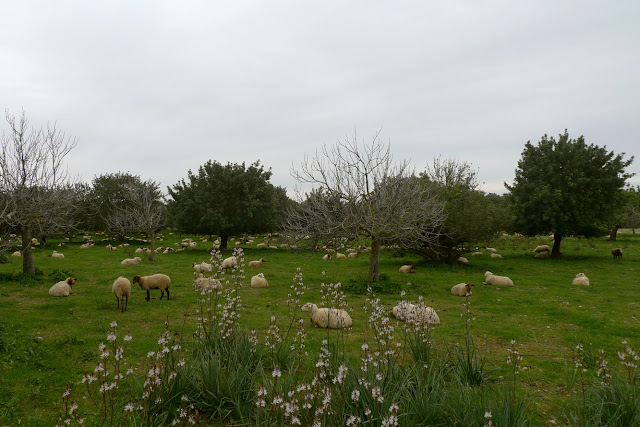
415	314
257	263
229	263
407	269
259	281
56	254
206	283
203	267
327	257
354	254
340	256
617	253
495	255
477	254
492	279
155	281
463	260
581	279
492	250
16	253
122	289
62	289
462	289
131	261
331	318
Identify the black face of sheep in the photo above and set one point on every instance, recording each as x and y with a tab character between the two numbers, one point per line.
617	253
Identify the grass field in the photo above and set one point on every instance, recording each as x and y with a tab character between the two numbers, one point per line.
48	343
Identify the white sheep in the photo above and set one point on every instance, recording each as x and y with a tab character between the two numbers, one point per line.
463	260
495	255
139	250
331	318
167	251
581	279
407	269
541	248
203	267
492	279
62	289
131	261
122	289
202	282
477	254
340	256
462	289
16	253
327	257
259	281
229	263
492	250
354	254
155	281
57	254
257	263
415	314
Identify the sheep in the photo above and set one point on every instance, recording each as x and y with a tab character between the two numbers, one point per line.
354	254
122	289
462	289
257	263
581	279
62	289
139	250
16	253
463	260
541	248
340	256
131	261
167	251
477	254
206	283
327	257
203	267
617	253
57	254
492	250
259	281
495	255
112	248
492	279
331	318
407	269
415	314
155	281
229	263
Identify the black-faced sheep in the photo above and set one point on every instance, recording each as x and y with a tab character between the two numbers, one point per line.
617	253
155	281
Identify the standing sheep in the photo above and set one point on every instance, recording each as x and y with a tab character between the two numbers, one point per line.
122	289
462	289
155	281
617	253
62	289
229	264
259	281
581	279
407	269
331	318
492	279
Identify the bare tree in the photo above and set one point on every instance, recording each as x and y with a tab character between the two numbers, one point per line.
142	210
33	181
361	192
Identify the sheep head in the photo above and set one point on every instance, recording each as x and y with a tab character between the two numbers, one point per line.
309	307
70	281
136	279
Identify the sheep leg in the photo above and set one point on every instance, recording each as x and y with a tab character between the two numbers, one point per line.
148	298
127	300
167	294
118	306
161	293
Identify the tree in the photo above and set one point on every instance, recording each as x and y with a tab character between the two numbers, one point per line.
566	187
472	216
361	192
226	200
109	192
34	181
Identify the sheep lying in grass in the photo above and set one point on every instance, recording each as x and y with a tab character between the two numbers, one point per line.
340	256
257	263
131	261
57	254
203	267
415	314
63	288
122	289
206	283
354	254
542	251
327	257
462	289
617	253
331	318
259	281
492	279
155	281
463	260
477	254
491	250
581	279
496	255
16	253
407	269
229	264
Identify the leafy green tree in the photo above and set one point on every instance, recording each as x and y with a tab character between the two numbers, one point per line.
567	187
226	200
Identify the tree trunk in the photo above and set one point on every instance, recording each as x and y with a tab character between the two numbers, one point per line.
374	273
613	234
152	256
27	252
224	239
633	230
555	252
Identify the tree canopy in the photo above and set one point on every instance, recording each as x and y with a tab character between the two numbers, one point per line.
566	187
226	200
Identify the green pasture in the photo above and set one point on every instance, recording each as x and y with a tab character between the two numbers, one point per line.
47	343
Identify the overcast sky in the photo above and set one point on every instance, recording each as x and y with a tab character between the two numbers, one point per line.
156	88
